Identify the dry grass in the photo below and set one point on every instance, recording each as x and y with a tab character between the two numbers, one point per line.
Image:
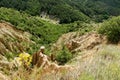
39	74
104	66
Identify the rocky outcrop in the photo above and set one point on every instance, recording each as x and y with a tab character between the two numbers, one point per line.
76	43
12	39
63	40
85	42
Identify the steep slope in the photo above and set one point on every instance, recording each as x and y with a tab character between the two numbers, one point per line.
43	32
95	58
13	40
76	43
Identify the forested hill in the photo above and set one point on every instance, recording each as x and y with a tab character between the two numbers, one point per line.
97	9
59	9
67	10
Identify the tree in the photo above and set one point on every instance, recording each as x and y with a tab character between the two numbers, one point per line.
33	7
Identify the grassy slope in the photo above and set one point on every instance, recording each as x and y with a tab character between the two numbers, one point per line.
104	66
43	32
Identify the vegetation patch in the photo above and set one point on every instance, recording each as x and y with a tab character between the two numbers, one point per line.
111	29
63	56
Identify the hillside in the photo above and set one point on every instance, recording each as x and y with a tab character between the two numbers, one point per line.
98	10
58	9
43	32
67	10
59	39
95	58
12	40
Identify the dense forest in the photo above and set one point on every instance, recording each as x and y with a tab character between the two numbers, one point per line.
67	10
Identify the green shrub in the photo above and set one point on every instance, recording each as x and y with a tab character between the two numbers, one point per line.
111	29
63	56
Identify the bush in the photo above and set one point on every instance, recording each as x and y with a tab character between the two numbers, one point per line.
111	29
63	56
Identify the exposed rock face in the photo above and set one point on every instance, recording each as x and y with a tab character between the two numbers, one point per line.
85	42
80	43
12	39
63	40
86	46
